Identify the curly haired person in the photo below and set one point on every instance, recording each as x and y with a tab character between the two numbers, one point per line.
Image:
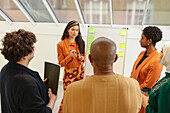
22	89
147	69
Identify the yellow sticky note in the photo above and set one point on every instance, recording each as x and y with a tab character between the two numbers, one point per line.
91	38
89	45
123	33
121	54
88	51
122	45
92	30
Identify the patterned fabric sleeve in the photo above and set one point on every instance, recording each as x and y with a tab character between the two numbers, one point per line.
163	100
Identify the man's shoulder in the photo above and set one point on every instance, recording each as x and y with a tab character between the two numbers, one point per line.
127	79
77	84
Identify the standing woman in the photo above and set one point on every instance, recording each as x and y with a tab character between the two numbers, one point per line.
147	69
159	97
71	55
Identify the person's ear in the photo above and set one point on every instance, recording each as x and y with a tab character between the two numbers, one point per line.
116	57
90	59
150	41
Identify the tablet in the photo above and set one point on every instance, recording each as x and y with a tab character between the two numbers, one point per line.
52	72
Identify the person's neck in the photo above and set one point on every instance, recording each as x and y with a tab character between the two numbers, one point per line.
24	63
71	39
106	71
149	50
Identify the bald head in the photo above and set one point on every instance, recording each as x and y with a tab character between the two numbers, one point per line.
103	51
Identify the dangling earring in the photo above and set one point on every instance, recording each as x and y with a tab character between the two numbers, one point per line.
148	44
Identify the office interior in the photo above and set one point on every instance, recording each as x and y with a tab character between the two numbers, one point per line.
48	18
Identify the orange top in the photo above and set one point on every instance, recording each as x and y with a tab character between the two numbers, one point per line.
149	71
64	58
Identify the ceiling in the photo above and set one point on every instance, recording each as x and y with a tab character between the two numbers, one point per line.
119	12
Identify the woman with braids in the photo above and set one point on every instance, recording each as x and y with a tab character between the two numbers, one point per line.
71	55
22	89
147	69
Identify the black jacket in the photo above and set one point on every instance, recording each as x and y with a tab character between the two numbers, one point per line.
22	90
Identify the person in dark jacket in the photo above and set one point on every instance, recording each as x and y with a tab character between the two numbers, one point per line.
22	89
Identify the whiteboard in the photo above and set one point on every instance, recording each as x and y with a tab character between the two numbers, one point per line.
118	35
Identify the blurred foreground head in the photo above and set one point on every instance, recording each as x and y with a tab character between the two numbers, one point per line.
165	56
17	45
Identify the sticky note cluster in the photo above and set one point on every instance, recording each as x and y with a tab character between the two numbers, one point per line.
122	47
91	39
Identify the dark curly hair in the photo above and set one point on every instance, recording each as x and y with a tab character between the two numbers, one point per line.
17	44
78	39
154	33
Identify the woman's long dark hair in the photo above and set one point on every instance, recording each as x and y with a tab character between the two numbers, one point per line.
78	39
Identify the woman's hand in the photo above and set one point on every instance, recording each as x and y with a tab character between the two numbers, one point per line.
73	52
81	58
44	80
51	95
52	98
145	100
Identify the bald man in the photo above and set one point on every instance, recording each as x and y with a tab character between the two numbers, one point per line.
105	91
